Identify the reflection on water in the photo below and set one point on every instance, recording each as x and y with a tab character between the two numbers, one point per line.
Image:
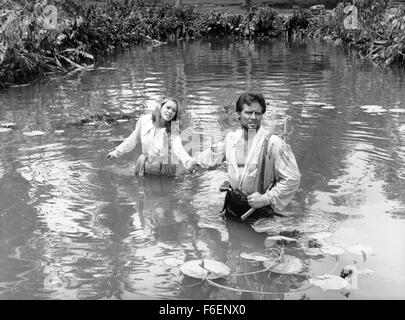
74	226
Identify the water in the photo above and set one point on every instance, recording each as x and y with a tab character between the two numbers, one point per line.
76	226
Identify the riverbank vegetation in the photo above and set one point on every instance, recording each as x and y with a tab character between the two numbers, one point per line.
37	38
377	33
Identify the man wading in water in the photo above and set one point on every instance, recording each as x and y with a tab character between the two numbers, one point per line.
262	170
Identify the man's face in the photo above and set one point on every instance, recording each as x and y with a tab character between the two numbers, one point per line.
251	116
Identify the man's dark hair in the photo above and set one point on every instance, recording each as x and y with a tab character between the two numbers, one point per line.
249	98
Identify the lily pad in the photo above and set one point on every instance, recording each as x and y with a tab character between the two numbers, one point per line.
360	249
205	269
272	240
4	130
288	265
256	256
398	110
329	282
312	251
320	235
173	262
33	133
373	108
278	238
330	107
366	271
332	250
262	225
7	124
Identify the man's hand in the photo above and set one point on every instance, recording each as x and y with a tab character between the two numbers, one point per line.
257	200
112	154
191	166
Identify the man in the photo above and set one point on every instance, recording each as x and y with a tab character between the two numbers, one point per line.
262	170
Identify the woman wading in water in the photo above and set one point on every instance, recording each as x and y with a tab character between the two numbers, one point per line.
153	131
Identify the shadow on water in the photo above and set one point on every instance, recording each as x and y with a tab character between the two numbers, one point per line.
17	225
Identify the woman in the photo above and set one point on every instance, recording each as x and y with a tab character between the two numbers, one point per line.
153	131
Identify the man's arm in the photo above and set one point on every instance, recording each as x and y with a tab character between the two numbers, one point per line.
288	179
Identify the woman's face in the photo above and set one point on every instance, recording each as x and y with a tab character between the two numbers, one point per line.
168	111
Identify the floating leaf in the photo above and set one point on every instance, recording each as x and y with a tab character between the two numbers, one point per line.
360	249
262	225
272	240
320	235
279	238
288	265
127	112
256	256
366	271
54	281
268	243
4	130
312	243
106	68
332	250
33	133
7	124
313	251
373	108
202	269
398	110
329	282
173	262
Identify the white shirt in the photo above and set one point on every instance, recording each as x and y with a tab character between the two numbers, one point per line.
154	142
281	177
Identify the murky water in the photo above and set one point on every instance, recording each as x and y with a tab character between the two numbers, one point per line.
76	226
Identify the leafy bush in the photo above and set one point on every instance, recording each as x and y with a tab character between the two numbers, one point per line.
28	46
259	22
379	37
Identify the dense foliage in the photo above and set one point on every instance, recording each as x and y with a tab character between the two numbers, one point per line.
379	36
30	45
258	22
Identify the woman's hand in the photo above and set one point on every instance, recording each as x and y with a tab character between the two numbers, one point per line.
257	200
112	154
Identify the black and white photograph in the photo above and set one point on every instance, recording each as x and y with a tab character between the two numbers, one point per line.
202	154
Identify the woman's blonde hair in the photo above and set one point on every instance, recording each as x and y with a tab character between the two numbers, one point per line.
157	117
